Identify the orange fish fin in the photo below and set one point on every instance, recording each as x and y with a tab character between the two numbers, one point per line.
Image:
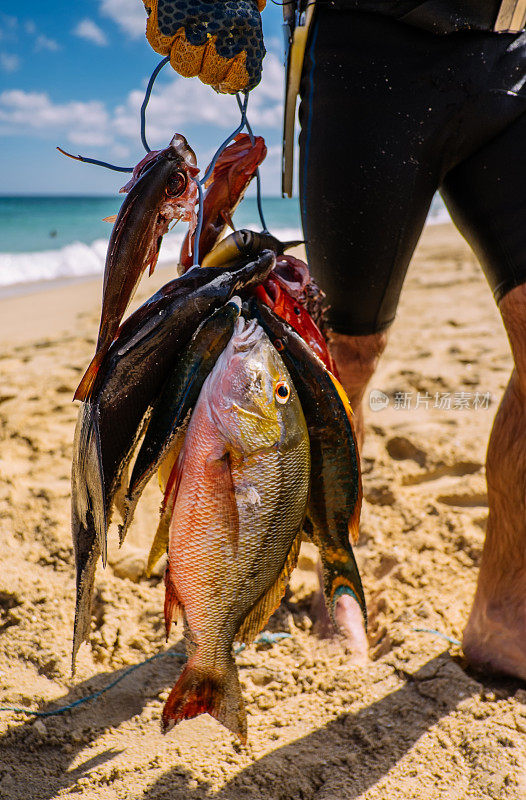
354	521
219	473
112	218
343	397
162	534
160	540
263	609
172	602
201	690
85	387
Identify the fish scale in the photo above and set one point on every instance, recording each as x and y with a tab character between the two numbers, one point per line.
237	518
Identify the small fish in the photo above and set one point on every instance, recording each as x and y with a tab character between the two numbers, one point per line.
241	487
336	487
233	171
161	190
178	397
131	376
242	244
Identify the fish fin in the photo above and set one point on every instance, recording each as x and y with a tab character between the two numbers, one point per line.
112	218
162	534
84	599
263	609
119	495
159	544
172	602
99	517
354	520
88	517
353	524
340	575
202	690
228	219
218	471
83	391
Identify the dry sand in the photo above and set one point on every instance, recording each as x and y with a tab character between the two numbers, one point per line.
413	724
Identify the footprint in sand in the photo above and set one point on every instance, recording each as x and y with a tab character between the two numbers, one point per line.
401	448
464	499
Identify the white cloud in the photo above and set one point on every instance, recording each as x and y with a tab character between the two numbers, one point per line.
87	123
9	21
182	102
129	15
89	30
43	42
30	27
9	62
177	104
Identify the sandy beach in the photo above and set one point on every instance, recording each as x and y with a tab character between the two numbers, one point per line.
414	723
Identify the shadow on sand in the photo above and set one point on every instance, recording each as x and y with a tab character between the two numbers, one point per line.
22	751
338	761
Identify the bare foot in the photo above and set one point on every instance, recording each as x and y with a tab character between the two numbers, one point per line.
349	620
495	638
350	625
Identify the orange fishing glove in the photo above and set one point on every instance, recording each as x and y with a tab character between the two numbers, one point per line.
221	41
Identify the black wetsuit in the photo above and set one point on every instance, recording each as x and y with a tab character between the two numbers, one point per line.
390	113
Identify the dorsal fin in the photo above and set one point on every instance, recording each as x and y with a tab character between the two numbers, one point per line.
160	540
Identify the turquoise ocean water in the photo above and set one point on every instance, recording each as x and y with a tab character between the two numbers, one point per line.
45	238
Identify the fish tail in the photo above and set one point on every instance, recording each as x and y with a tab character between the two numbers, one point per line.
206	690
172	601
85	387
342	577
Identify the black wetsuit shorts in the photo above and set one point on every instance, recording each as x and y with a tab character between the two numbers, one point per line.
389	114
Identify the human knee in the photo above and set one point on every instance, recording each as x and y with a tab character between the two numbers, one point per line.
513	310
357	356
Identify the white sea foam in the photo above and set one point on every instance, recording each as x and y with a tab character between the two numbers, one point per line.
82	260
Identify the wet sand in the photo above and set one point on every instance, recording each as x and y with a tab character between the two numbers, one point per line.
415	723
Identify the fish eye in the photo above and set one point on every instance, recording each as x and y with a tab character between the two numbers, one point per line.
176	184
278	344
282	391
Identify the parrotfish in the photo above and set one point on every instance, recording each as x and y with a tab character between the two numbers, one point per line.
336	487
162	189
240	489
130	378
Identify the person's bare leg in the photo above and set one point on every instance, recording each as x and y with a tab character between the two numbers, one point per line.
356	358
495	635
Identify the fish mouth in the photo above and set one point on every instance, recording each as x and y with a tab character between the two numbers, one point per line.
180	149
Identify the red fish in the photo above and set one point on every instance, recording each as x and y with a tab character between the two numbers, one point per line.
234	169
276	297
161	189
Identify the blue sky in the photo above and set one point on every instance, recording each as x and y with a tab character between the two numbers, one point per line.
73	74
